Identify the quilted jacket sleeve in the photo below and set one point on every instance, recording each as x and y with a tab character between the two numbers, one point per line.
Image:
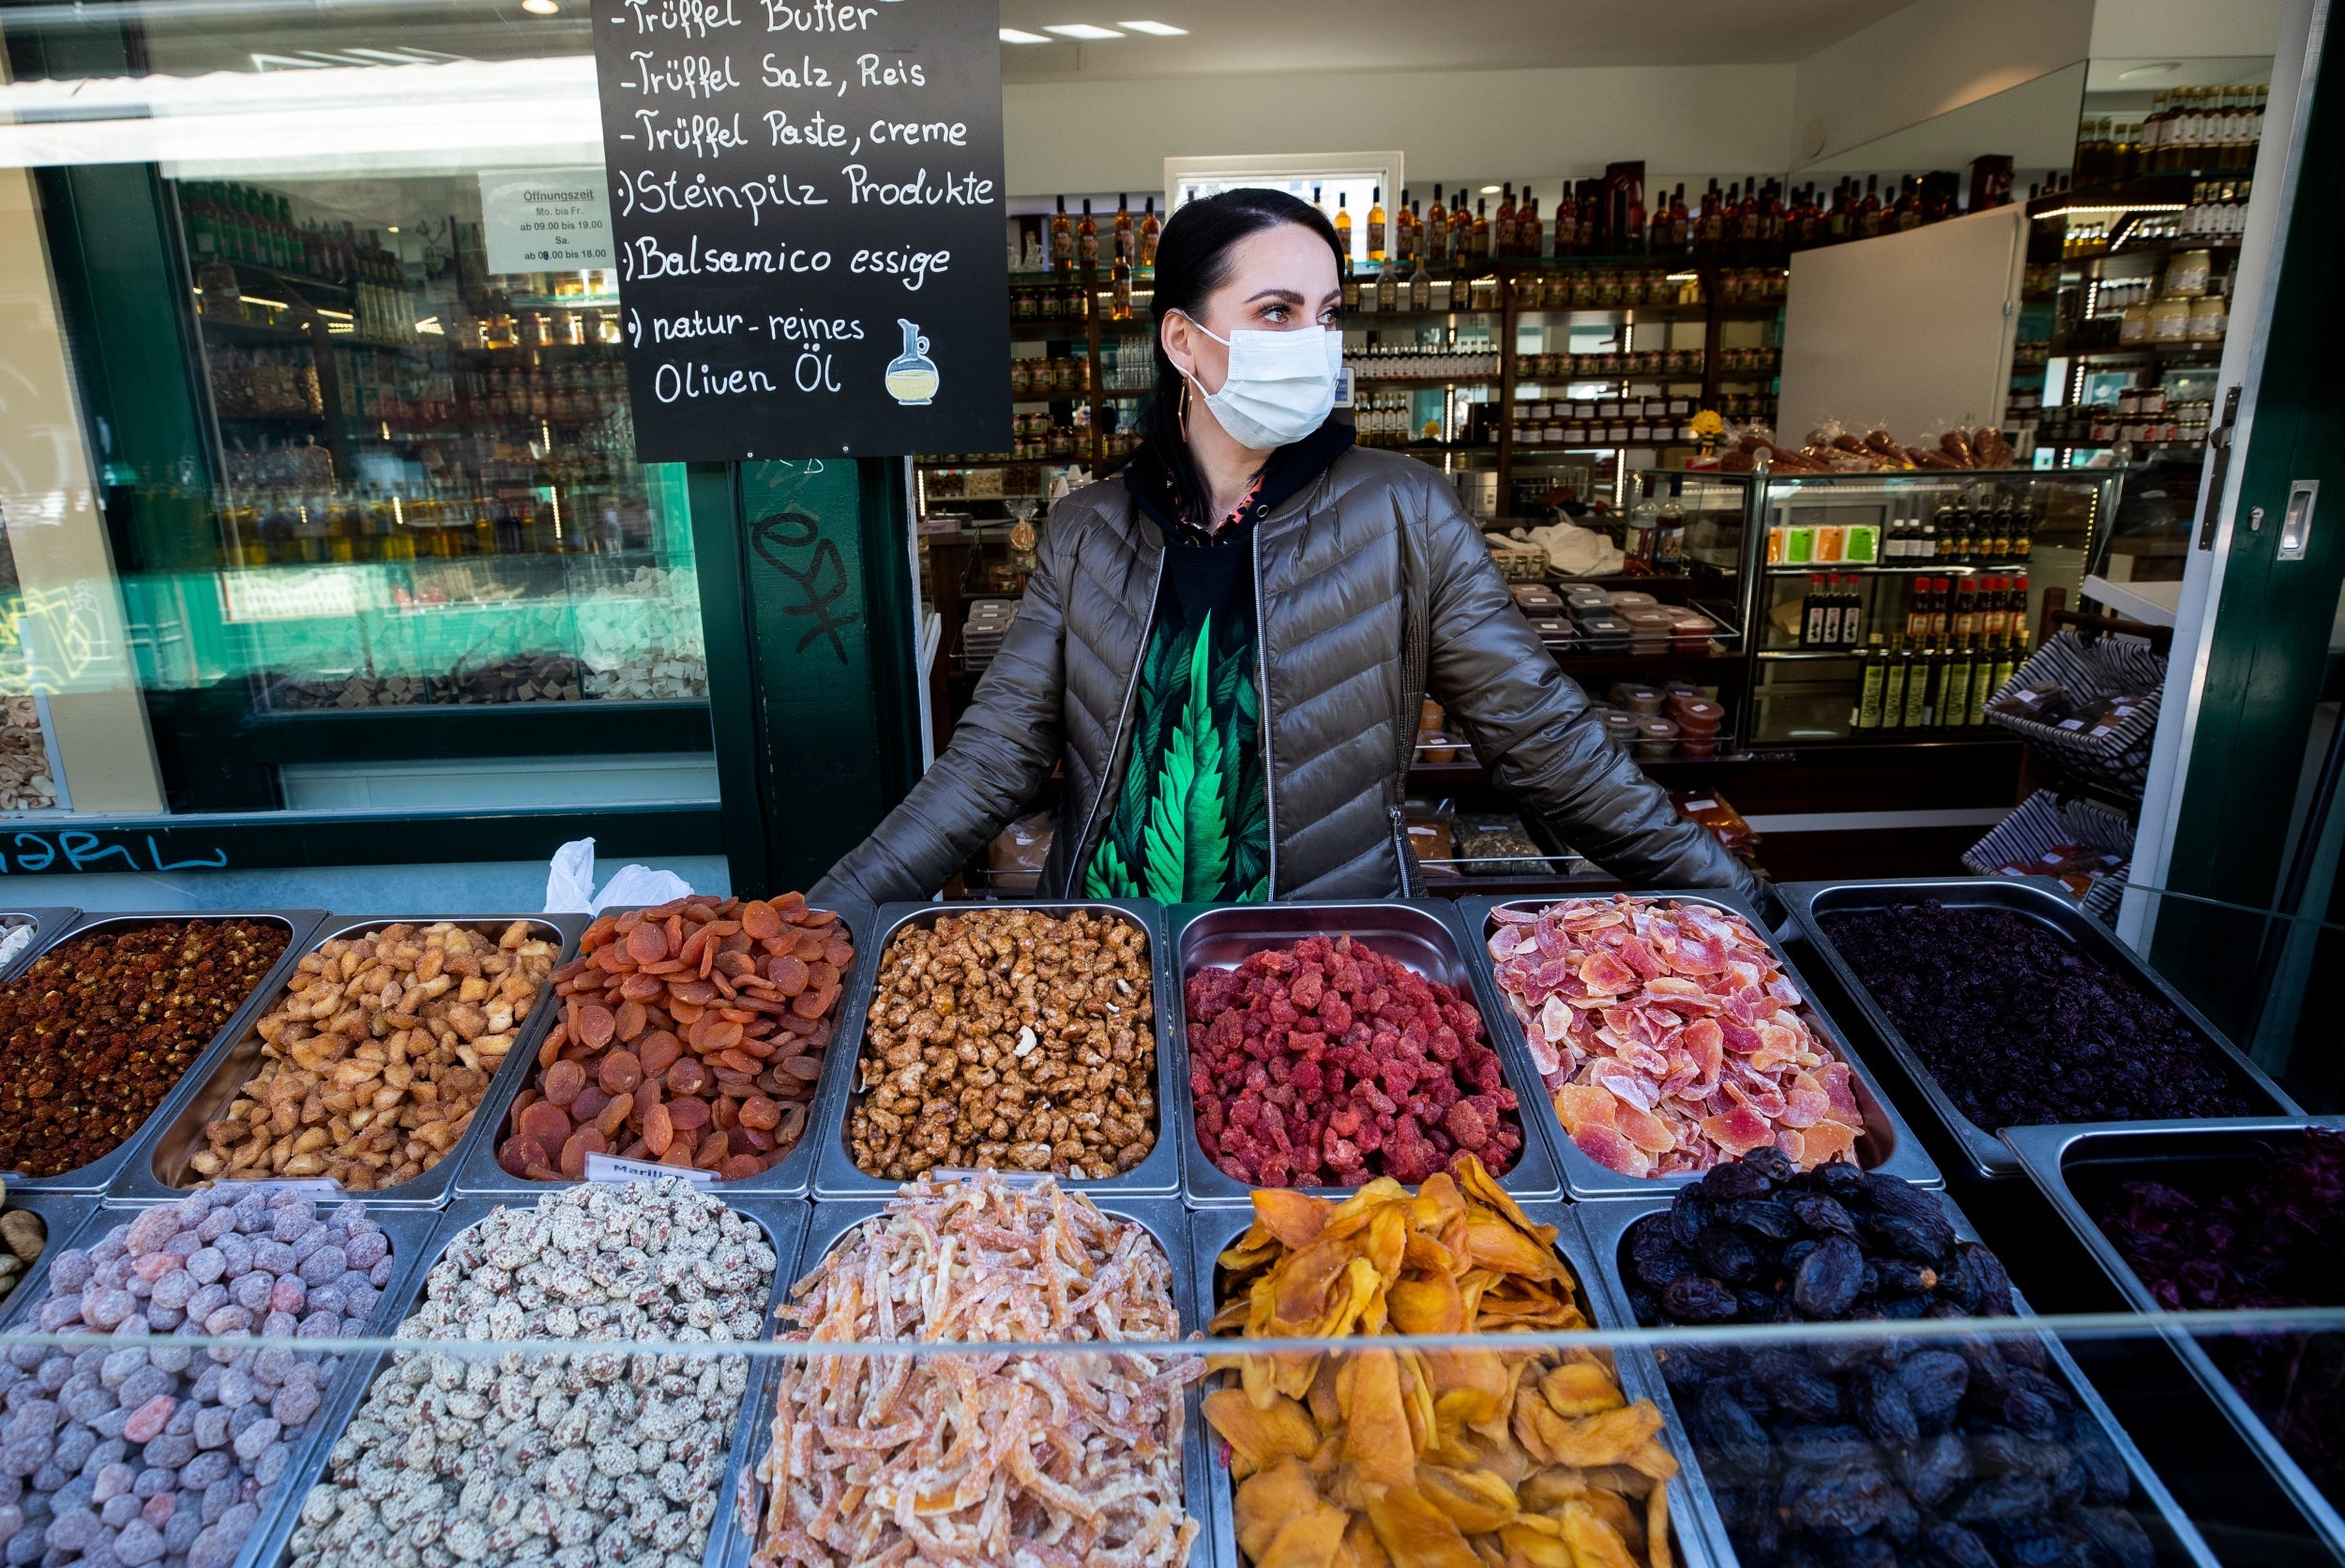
1530	724
1001	754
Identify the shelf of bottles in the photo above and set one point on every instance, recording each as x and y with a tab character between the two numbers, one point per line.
1892	605
456	446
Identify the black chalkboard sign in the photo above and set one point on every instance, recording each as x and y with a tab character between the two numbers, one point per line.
806	199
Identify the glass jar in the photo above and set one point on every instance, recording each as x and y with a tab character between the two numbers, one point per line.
2134	326
2170	320
2210	316
2187	273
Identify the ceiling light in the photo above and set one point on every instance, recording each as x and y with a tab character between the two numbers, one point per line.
1084	30
2153	68
542	7
1490	190
1155	29
1017	34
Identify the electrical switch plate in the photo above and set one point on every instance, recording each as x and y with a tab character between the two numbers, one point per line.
2296	523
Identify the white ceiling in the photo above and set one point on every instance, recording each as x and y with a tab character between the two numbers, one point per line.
1279	36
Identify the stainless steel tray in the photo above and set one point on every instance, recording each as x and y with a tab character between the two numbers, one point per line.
2038	900
1213	1230
410	1232
2171	1531
836	1175
164	1173
1421	936
98	1175
2048	1154
272	1542
66	1215
731	1542
47	921
1886	1144
481	1176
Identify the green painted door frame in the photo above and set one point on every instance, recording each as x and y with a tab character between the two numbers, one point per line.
807	603
2266	657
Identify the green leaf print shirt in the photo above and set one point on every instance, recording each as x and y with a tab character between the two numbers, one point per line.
1189	825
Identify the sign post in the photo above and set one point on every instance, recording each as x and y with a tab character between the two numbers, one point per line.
806	218
806	197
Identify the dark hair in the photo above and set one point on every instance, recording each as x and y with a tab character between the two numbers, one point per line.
1192	261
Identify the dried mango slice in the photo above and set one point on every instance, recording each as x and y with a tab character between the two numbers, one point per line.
1259	1437
1308	1541
1377	1442
1606	1438
1593	1542
1265	1501
1414	1533
1581	1388
1475	1501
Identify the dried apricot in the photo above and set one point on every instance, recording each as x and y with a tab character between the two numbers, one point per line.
596	1026
630	1020
659	1050
545	1123
788	973
620	1072
658	1131
562	1081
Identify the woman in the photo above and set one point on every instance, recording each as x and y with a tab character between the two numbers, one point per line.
1227	643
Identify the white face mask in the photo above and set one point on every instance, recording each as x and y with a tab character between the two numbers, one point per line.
1280	387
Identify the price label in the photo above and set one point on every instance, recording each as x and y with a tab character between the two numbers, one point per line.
284	1184
614	1167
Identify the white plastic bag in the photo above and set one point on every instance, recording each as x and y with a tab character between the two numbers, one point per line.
571	882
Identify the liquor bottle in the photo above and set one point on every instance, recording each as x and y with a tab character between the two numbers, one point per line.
1633	242
1149	229
1954	688
1966	609
1420	286
1120	308
1388	287
1910	203
1350	283
1918	682
1376	224
1321	204
1530	230
1917	608
2023	534
1982	681
1088	240
1851	612
2007	658
1343	225
1710	237
1899	668
1942	608
1868	210
1503	228
1869	685
1769	238
1836	216
1481	248
1062	240
1679	234
1403	229
1126	242
1746	223
1818	617
1437	229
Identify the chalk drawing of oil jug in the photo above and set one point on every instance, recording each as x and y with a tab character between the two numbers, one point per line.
911	375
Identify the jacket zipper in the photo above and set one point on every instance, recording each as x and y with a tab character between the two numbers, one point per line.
1084	847
1262	688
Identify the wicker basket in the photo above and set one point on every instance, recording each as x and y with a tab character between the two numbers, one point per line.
2043	821
2102	668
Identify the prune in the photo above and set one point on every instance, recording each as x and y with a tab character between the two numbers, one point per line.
1902	1309
1794	1255
2004	1500
1767	1220
1736	1435
1990	1372
1840	1181
1947	1545
1901	1521
1838	1503
1727	1256
1759	1307
2036	1382
1889	1195
1936	1466
2072	1479
1923	1240
1796	1388
1822	1215
2118	1534
2105	1469
2030	1414
1677	1369
1656	1259
1825	1447
1878	1403
1863	1551
1736	1179
2041	1546
1901	1278
1999	1450
1697	1300
1994	1284
1772	1163
1829	1278
1934	1381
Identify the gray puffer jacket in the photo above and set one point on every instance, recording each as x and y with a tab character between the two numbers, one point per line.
1372	586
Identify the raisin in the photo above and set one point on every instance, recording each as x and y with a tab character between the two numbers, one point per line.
1795	1387
2118	1534
1826	1447
1936	1466
1822	1215
2004	1498
1736	1435
1656	1259
1767	1220
1737	1179
1880	1406
1947	1545
1930	1241
1934	1381
1838	1505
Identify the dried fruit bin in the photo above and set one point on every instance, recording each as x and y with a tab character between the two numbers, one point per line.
2073	1166
1212	1231
48	923
2044	903
64	1213
729	1542
1421	936
410	1232
98	1175
781	1219
1886	1144
2177	1540
163	1171
481	1175
835	1173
